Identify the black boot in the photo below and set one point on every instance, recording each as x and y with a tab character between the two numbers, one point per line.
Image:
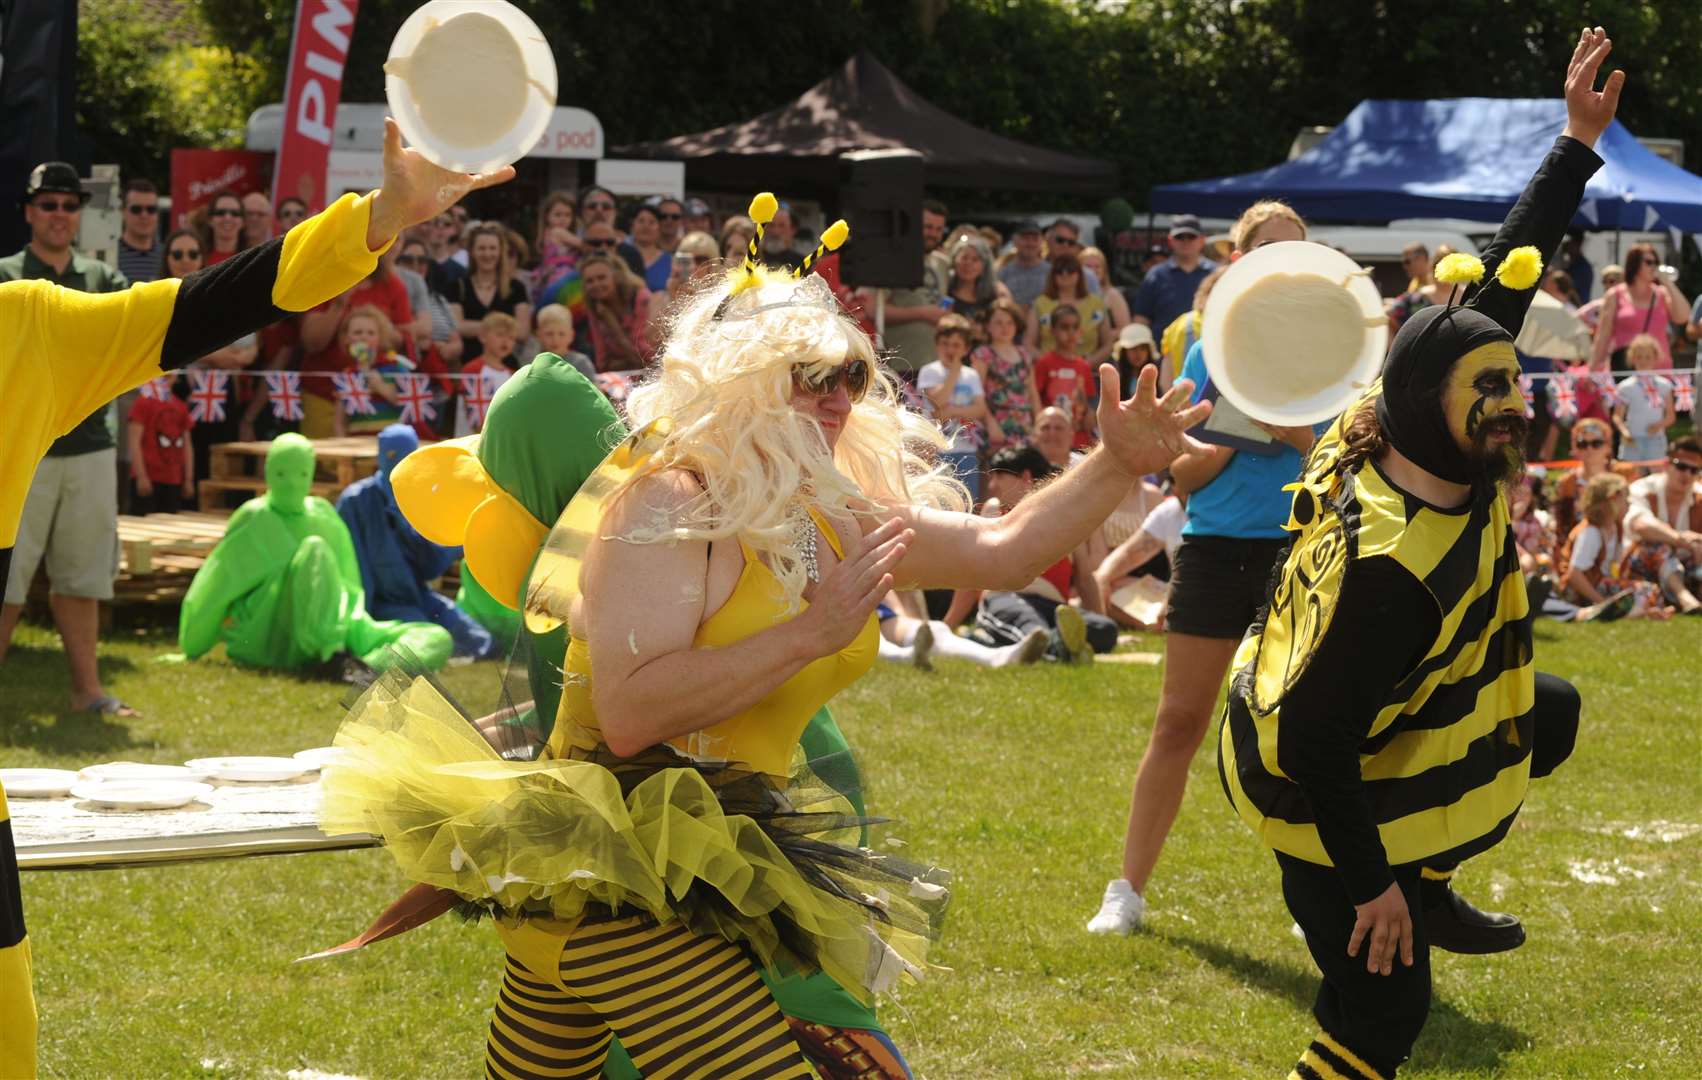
1456	926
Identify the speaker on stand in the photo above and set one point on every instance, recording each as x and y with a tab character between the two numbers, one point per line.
880	197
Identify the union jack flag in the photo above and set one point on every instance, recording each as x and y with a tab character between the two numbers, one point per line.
413	394
207	396
352	392
159	389
1651	390
476	396
1562	399
284	390
1604	384
1529	393
1683	393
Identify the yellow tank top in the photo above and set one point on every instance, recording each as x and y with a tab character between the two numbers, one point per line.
765	735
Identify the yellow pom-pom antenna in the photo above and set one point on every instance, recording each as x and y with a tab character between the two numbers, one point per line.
831	238
1459	269
762	210
1521	269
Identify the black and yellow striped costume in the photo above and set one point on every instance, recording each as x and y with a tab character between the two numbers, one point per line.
64	354
1385	717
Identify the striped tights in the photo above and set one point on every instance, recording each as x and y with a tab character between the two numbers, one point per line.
683	1006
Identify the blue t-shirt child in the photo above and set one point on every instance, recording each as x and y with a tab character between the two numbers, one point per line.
1245	500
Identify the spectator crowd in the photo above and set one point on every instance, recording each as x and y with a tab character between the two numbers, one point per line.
1000	343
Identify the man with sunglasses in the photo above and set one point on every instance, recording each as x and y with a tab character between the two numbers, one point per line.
62	353
1168	289
670	217
139	244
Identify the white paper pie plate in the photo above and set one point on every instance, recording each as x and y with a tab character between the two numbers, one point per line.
37	783
320	756
250	769
502	115
138	771
141	794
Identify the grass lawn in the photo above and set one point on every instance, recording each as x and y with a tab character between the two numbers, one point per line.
1018	782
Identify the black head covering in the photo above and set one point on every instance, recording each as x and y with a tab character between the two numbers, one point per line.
1409	410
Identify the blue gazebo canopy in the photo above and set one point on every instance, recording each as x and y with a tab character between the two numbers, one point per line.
1457	158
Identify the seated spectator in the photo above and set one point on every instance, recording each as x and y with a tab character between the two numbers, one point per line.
555	335
1095	268
695	257
1592	445
1055	436
162	464
1063	289
1063	239
491	368
736	234
1134	350
1592	557
971	289
490	285
1006	367
1533	535
1007	618
957	400
655	262
1025	271
1644	410
617	314
397	564
258	223
909	640
224	228
369	340
1183	331
1066	380
1142	553
1665	523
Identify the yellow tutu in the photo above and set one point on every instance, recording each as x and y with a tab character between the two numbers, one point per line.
715	845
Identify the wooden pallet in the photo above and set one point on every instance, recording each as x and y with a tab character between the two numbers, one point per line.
241	466
169	542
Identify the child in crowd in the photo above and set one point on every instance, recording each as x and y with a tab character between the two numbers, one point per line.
491	368
162	466
369	340
1593	558
954	393
1066	380
555	335
1645	407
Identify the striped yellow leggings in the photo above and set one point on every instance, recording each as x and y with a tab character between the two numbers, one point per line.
683	1006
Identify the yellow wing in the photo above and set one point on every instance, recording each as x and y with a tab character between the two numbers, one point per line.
555	576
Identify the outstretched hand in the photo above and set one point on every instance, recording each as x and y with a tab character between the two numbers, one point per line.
416	190
1588	110
1146	433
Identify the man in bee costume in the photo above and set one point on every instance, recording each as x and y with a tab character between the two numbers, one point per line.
64	353
1386	718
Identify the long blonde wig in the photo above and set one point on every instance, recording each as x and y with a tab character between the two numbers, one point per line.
725	379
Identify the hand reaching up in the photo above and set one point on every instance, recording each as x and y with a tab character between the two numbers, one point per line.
1588	110
416	190
1146	433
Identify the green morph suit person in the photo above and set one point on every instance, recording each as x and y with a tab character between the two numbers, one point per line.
283	589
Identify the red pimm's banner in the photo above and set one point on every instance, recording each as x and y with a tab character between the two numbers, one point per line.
318	48
198	175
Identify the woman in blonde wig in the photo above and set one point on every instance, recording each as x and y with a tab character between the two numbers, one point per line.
718	576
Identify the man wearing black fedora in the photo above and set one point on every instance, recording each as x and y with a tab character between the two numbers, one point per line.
71	515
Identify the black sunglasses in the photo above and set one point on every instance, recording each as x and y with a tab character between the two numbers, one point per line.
225	213
604	243
670	217
138	208
1588	444
597	206
1065	241
410	260
1685	466
62	206
185	253
854	374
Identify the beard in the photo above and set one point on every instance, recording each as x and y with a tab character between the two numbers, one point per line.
1502	464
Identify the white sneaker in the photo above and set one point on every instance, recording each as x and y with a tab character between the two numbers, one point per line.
1029	650
922	647
1120	912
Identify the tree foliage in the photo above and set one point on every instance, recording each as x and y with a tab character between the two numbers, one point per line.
1169	89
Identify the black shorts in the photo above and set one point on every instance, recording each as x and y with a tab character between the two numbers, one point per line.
1219	583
